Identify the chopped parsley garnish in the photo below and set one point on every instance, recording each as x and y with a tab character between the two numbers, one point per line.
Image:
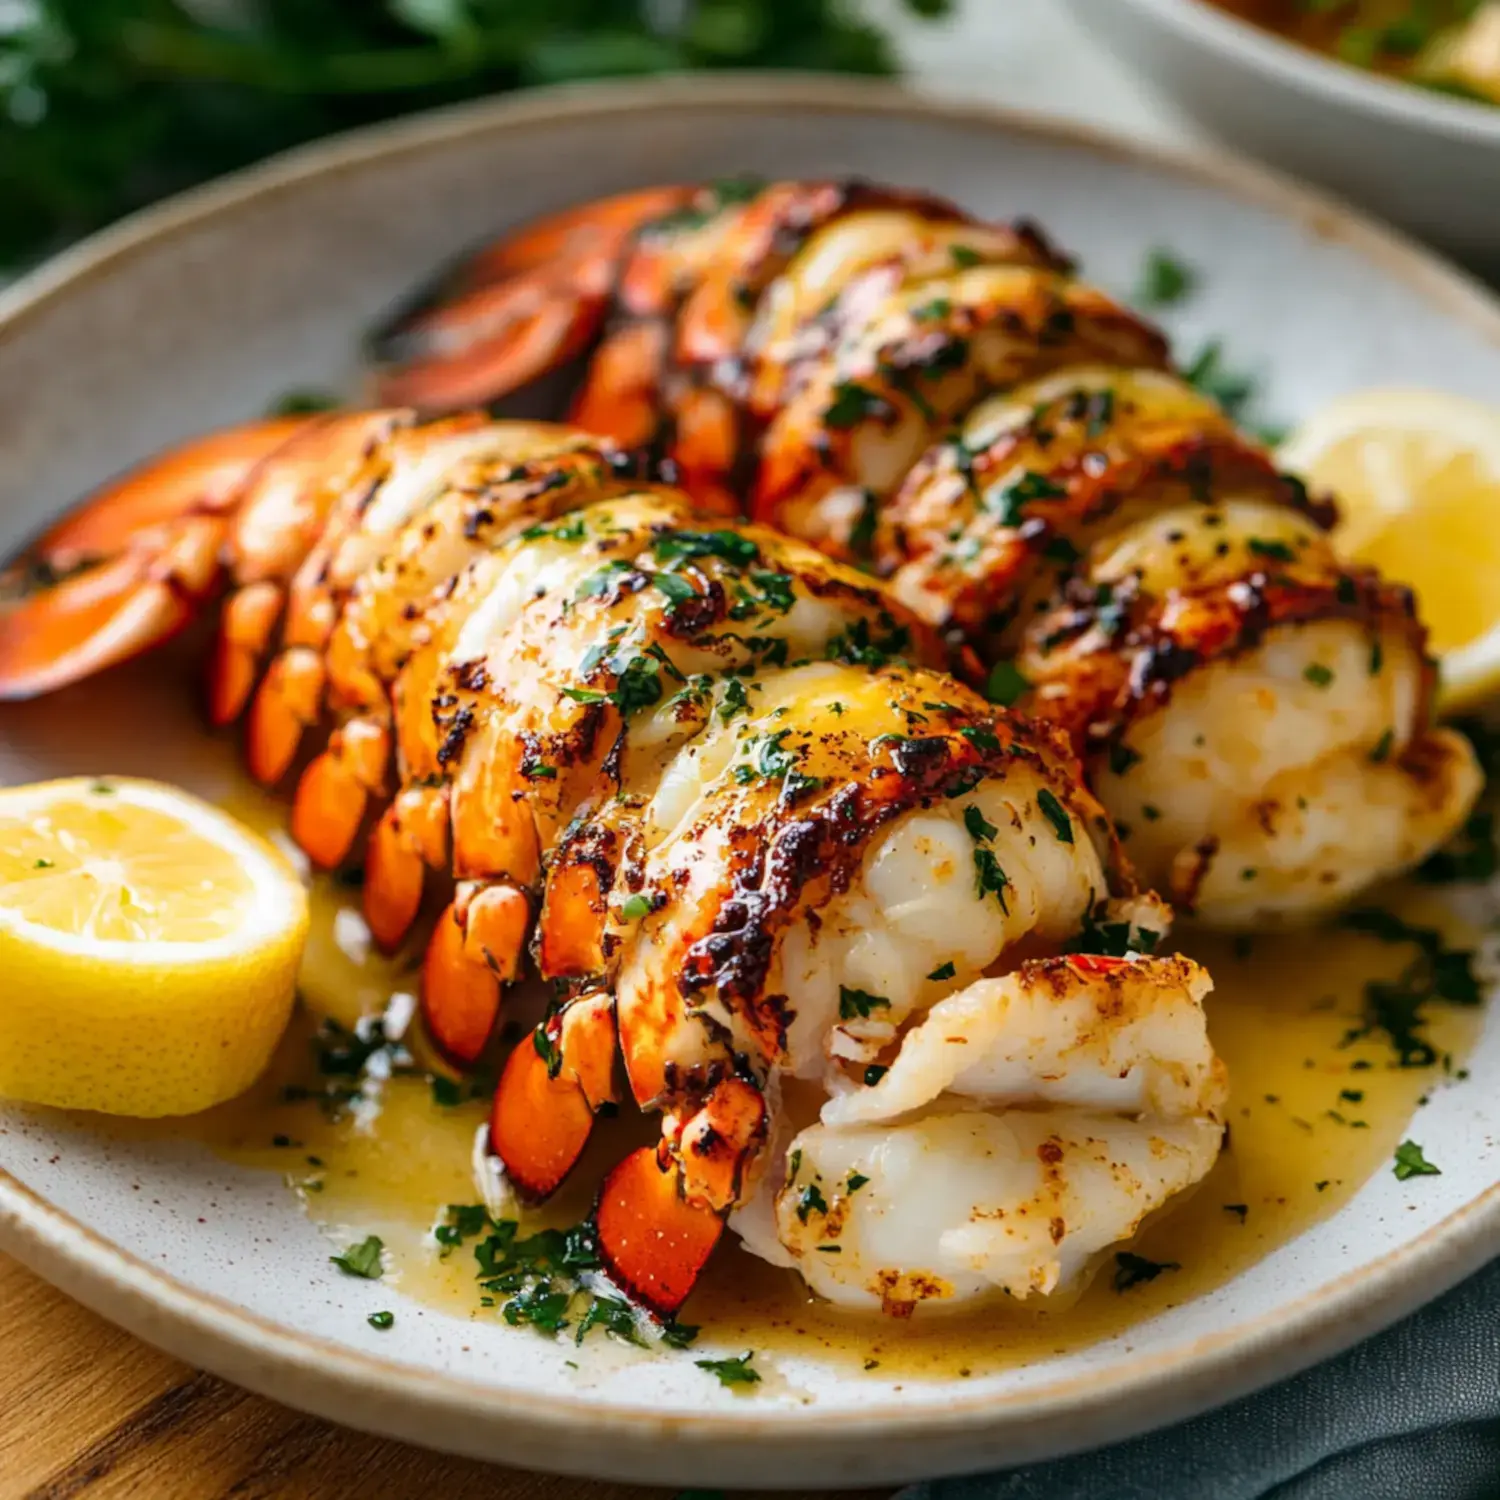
638	679
572	529
1396	1006
857	1004
342	1053
1383	746
1208	374
1279	551
602	580
736	699
989	878
936	307
1317	674
536	1280
943	971
547	1049
362	1259
980	829
1165	280
42	864
303	402
855	1181
1113	939
1009	502
1410	1162
858	646
1132	1270
776	589
732	1372
769	759
381	1320
964	256
1005	684
461	1221
1122	758
852	403
862	534
636	907
979	737
614	1315
812	1201
675	587
729	545
1056	814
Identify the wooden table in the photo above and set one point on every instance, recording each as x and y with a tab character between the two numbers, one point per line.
88	1411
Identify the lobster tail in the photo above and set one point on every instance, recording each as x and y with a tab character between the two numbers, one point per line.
133	565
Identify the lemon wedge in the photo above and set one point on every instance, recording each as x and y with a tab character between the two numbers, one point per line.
1417	479
148	948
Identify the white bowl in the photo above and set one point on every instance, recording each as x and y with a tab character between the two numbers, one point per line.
1428	162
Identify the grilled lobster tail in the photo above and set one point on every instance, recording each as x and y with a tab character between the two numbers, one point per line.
713	780
942	402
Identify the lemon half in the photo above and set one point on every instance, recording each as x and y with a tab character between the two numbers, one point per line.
149	947
1417	479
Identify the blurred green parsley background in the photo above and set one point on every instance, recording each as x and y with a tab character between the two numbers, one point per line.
107	104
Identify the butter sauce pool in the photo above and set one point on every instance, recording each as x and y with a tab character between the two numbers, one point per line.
1312	1116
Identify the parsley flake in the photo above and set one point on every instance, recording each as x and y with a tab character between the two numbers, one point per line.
1410	1162
1133	1270
362	1259
857	1004
1056	814
852	403
980	829
1005	684
1165	280
732	1372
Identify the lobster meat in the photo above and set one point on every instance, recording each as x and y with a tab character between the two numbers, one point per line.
759	844
941	401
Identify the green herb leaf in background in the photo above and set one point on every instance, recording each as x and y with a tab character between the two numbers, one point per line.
108	104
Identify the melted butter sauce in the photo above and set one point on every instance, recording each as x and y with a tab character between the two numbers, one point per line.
1299	1146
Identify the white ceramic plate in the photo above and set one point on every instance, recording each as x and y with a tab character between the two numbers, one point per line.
201	311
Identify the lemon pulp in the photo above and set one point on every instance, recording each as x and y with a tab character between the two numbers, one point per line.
148	947
1417	479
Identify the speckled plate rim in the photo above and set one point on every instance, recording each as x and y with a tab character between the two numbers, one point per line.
447	1412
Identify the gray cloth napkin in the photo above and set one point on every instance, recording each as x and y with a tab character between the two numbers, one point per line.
1412	1414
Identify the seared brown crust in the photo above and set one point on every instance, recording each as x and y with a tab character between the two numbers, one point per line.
679	370
789	827
1100	659
801	854
925	363
959	565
